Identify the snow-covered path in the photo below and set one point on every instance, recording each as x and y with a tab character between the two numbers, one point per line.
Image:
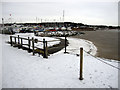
22	70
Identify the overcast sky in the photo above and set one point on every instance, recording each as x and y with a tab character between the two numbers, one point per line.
87	12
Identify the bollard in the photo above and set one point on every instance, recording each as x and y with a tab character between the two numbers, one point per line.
81	64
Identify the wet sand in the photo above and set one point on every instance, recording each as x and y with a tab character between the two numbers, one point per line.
105	41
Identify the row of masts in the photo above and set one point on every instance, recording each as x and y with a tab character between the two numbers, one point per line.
38	20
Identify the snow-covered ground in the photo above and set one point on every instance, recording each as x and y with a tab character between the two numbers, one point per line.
75	45
22	70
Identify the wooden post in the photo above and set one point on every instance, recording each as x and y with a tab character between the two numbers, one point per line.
81	64
46	49
28	44
11	40
65	44
33	45
18	40
21	42
15	39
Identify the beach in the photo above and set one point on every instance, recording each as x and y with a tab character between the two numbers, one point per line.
106	42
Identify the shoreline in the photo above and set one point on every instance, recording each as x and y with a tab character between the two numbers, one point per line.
105	41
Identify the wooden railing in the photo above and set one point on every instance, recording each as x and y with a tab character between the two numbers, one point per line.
18	42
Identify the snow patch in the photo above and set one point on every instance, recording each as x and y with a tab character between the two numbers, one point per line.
75	45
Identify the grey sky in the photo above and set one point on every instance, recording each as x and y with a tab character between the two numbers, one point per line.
105	13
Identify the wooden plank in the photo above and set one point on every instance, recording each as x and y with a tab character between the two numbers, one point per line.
24	38
40	41
20	37
53	40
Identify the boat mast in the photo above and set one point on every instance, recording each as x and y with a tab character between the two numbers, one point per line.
63	15
2	22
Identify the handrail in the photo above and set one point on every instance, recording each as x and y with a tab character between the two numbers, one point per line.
34	39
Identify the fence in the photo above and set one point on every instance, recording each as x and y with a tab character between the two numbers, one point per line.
18	42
